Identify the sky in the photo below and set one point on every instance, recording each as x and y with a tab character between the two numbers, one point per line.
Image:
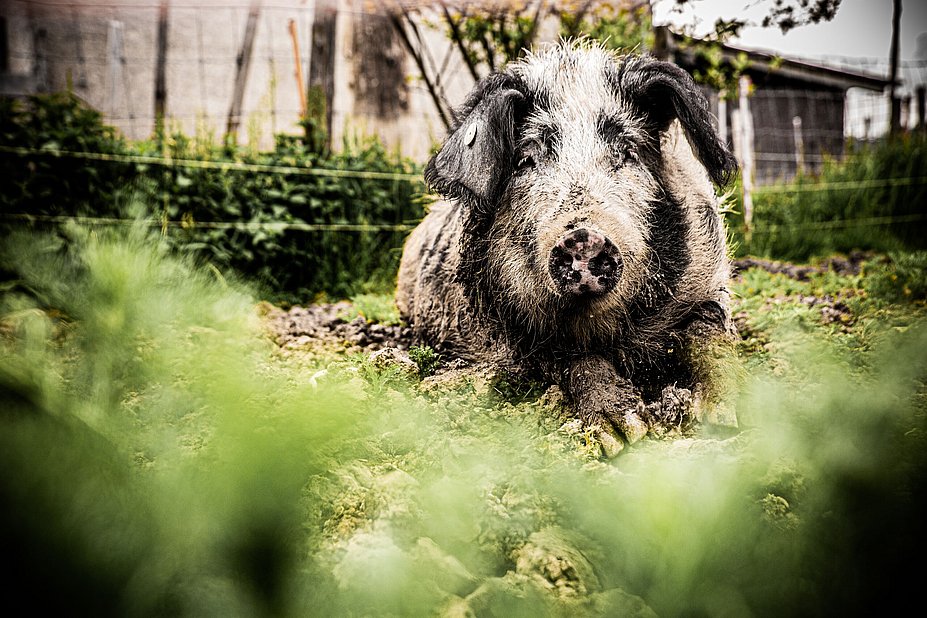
861	28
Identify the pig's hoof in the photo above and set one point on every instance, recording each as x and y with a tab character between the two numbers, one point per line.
674	410
610	441
632	426
629	423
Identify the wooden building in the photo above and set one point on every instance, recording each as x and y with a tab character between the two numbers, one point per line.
793	115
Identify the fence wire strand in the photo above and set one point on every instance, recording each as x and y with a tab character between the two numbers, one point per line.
407	177
239	166
277	226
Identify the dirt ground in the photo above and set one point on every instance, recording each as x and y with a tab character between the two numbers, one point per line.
325	324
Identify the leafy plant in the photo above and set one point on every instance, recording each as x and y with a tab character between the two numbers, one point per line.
297	234
426	359
617	27
51	185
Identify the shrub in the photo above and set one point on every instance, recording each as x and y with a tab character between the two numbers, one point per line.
899	277
246	215
55	185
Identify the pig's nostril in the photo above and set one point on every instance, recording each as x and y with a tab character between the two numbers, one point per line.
585	262
603	265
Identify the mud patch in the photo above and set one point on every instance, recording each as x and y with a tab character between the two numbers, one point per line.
849	265
326	325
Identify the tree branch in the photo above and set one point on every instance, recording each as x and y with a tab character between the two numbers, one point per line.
458	40
396	21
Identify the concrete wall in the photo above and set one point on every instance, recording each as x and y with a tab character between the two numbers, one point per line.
107	51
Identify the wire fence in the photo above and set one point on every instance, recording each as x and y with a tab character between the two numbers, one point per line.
105	52
251	226
235	166
225	166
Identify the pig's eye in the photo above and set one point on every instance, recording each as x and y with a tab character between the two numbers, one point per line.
524	163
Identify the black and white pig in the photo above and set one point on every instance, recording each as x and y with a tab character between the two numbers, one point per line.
580	236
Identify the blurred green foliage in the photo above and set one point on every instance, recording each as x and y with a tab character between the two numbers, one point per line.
872	200
614	24
158	456
290	264
900	276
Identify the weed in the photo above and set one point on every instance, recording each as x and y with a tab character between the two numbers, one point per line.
426	358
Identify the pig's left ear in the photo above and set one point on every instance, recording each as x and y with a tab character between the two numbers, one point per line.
476	159
663	91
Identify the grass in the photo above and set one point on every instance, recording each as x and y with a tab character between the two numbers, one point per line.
870	199
373	307
160	457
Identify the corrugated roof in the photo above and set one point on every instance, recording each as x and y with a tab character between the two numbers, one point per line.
680	49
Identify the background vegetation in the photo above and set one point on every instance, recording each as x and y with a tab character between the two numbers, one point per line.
259	221
871	200
276	223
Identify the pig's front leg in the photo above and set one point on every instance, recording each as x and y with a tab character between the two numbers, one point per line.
605	400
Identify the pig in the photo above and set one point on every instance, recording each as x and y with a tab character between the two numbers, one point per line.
579	238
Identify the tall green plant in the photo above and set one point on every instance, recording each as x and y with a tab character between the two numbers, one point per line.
51	185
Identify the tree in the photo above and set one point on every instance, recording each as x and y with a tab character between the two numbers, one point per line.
492	32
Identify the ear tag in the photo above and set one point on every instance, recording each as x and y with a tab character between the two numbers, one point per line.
470	135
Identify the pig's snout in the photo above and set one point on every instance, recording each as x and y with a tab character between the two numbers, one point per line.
585	263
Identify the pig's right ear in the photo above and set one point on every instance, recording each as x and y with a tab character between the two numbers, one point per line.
476	159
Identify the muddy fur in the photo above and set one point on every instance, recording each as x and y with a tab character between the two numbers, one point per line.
575	137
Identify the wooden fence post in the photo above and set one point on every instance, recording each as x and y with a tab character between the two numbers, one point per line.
322	67
799	146
745	137
722	116
919	94
115	59
40	52
894	123
243	64
160	94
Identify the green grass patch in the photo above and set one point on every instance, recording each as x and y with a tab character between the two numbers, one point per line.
374	307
